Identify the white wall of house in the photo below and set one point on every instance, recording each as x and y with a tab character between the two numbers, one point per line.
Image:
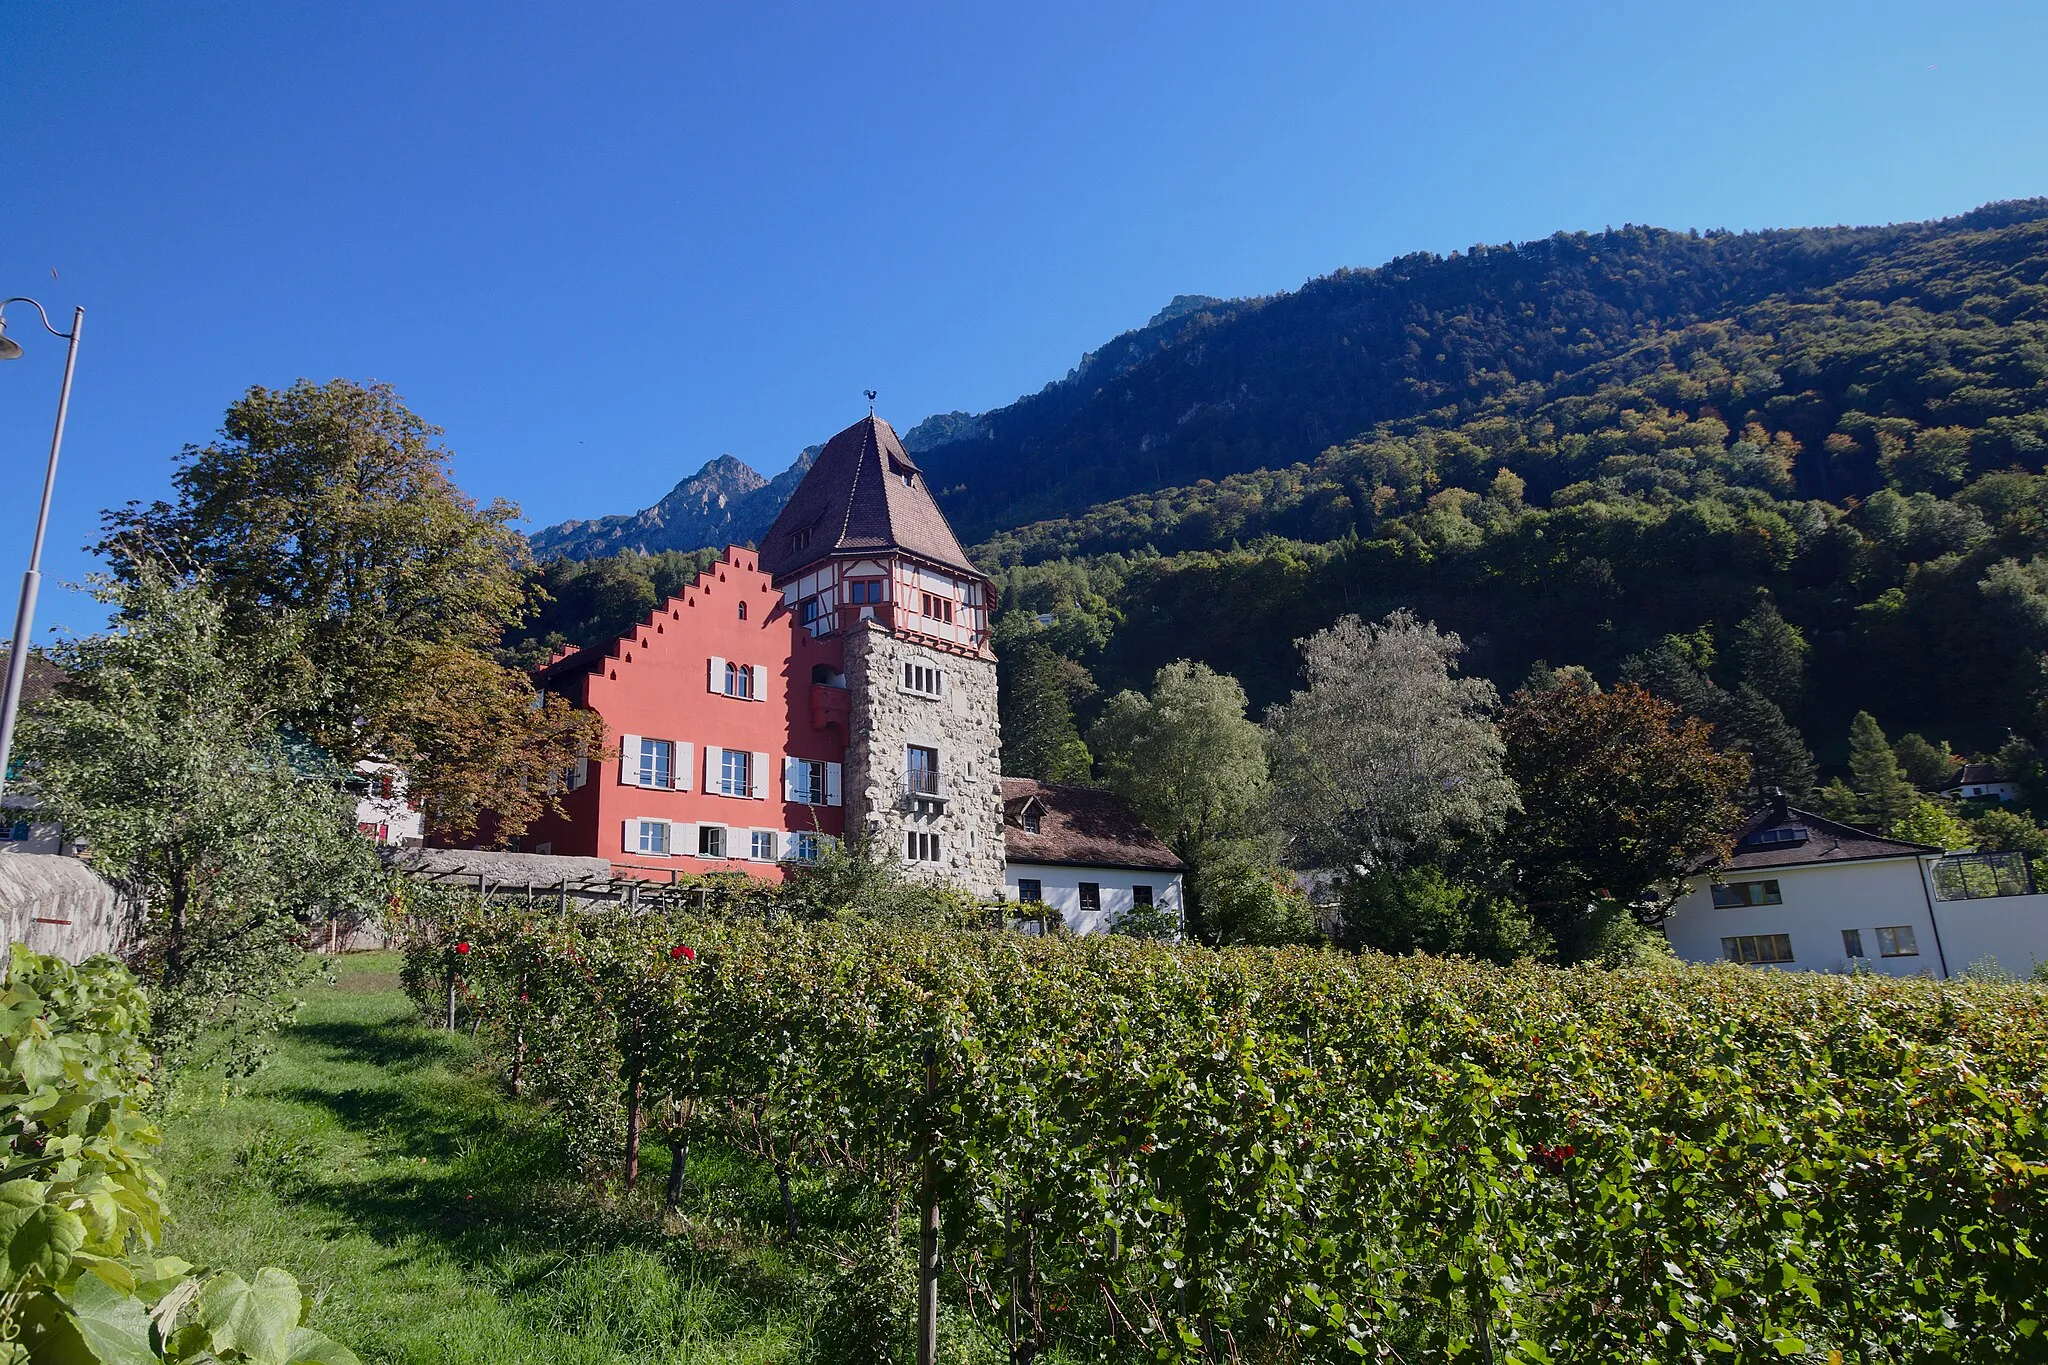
2008	932
1817	902
1060	889
392	820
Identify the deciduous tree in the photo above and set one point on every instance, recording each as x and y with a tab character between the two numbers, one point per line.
1385	754
1622	795
333	503
160	752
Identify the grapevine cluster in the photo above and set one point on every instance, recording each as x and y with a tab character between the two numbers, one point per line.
1148	1149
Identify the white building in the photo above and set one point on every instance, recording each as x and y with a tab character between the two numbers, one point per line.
1802	892
385	812
1082	854
1980	782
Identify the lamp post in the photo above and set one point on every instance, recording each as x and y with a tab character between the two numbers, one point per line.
17	661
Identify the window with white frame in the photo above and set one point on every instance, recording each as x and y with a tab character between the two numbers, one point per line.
923	679
801	847
711	841
764	846
652	838
921	846
739	681
655	764
1758	948
1897	941
735	772
808	781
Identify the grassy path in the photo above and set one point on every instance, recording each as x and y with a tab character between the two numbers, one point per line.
375	1160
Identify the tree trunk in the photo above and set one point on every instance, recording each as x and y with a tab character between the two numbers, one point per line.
632	1131
928	1225
174	950
678	1158
788	1203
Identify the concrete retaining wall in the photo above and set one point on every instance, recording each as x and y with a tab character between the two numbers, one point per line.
60	906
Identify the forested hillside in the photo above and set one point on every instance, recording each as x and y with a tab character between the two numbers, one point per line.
1567	451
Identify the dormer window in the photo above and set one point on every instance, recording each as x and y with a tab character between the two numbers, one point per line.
1031	822
799	539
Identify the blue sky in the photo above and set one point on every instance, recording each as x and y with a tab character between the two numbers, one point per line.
603	243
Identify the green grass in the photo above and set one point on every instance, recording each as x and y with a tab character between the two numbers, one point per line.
436	1219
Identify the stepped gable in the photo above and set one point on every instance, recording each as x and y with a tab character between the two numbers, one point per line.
864	495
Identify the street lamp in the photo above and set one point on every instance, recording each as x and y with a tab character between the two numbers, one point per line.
17	662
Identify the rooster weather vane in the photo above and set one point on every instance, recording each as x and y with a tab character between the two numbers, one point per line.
871	401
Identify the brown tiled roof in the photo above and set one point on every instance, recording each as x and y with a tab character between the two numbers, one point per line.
1973	772
1827	841
1078	827
857	498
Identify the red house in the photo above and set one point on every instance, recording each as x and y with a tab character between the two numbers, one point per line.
843	668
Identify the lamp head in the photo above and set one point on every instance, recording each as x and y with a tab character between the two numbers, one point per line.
10	349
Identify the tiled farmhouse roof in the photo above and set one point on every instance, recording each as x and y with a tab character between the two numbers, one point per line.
1973	774
1782	836
1078	827
864	493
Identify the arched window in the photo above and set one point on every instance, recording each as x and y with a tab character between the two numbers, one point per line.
739	680
743	611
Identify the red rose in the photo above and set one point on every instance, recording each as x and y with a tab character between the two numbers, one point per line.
462	948
683	951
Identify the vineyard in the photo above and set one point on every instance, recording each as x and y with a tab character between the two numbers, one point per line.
1111	1148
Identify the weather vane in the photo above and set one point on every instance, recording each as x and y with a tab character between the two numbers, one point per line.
871	401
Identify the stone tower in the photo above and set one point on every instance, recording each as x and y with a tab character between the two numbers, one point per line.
863	555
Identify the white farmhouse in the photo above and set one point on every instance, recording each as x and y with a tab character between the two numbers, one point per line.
1802	892
1081	853
1980	782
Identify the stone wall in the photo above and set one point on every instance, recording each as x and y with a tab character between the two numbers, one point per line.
58	905
961	724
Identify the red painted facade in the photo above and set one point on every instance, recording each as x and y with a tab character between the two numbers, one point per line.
664	682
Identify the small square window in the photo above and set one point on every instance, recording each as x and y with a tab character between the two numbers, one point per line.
711	841
1091	897
802	848
764	845
1897	941
1029	891
654	837
1141	896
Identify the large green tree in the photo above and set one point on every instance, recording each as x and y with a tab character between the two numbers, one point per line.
159	750
1192	765
1386	754
1036	704
1622	796
333	503
1883	795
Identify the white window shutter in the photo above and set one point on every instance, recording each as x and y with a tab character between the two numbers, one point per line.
671	841
757	777
717	674
832	771
760	681
681	769
789	773
629	841
629	760
682	839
